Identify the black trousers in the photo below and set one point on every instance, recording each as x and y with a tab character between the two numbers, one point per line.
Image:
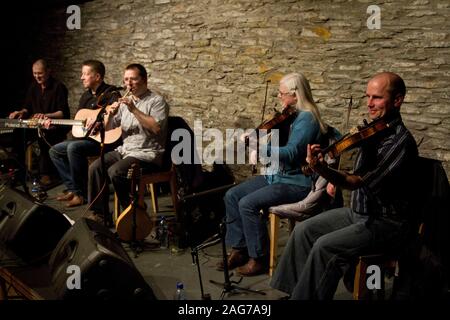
47	139
116	168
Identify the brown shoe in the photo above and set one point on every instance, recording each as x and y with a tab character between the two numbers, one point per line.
254	267
65	196
76	201
235	259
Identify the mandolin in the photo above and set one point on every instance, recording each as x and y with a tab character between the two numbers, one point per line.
133	224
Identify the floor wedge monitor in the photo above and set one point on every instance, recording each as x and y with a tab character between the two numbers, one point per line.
30	229
90	263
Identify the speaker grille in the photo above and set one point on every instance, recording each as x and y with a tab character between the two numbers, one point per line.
31	230
107	272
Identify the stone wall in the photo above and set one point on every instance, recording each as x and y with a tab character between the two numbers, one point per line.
212	59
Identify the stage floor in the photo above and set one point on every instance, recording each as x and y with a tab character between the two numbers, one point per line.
163	268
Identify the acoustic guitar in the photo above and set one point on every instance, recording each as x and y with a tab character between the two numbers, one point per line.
79	131
133	224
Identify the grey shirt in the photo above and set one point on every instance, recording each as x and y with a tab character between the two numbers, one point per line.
138	141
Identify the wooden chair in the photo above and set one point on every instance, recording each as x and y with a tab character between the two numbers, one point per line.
388	264
274	226
167	174
147	182
315	202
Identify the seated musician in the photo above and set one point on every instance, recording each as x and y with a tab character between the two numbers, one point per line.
143	118
246	231
46	98
70	157
322	248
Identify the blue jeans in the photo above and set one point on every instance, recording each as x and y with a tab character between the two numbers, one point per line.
70	159
246	227
321	248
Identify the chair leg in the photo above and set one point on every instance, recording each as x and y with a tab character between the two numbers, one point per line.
116	207
151	190
360	290
360	280
274	226
29	157
173	193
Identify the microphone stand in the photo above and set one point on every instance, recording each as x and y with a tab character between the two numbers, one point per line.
229	286
194	252
100	125
102	161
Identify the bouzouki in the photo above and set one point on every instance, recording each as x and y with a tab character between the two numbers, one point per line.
133	224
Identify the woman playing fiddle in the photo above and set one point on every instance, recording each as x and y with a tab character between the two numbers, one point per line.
246	230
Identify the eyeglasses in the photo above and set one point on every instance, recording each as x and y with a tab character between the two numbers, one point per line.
282	94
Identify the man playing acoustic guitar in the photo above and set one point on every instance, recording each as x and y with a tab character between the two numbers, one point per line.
70	156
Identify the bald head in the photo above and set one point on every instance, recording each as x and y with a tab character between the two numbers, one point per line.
394	83
41	71
41	63
385	93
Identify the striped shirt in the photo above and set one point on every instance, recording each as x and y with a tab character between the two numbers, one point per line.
386	166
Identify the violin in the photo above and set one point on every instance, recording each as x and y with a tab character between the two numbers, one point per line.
357	136
271	123
278	118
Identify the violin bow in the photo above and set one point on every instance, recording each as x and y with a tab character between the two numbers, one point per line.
347	120
262	119
349	109
265	100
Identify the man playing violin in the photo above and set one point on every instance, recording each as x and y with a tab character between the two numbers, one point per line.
380	218
70	157
246	229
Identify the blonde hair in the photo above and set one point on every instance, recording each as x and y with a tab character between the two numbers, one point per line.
298	84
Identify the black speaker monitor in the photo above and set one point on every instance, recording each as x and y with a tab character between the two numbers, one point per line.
30	229
106	270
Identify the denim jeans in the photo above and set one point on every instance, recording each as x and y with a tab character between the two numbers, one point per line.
321	248
70	159
246	227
